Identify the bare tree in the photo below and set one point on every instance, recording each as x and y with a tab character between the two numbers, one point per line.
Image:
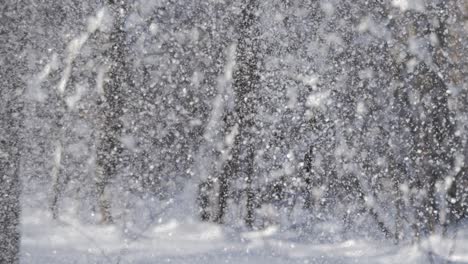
111	107
241	161
62	112
12	50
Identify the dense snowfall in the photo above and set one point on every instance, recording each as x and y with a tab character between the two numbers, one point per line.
234	131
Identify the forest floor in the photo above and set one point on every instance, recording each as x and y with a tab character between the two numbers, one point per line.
70	240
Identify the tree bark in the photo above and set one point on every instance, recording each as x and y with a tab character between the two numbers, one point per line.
111	108
245	82
13	39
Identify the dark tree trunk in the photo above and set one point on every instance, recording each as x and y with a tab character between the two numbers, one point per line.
12	70
245	82
10	179
204	191
307	176
111	108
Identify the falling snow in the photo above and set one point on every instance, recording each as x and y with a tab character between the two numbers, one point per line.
241	131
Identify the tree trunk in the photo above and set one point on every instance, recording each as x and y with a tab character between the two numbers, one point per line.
9	181
111	108
245	82
12	69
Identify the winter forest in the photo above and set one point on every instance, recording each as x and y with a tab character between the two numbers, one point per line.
233	131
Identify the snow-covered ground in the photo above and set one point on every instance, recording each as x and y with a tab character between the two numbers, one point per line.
70	240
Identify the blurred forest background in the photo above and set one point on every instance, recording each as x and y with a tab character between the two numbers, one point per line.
246	113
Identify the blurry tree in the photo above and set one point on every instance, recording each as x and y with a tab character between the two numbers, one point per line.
240	121
68	89
111	106
13	50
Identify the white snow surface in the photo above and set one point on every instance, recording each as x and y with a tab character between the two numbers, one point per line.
185	240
